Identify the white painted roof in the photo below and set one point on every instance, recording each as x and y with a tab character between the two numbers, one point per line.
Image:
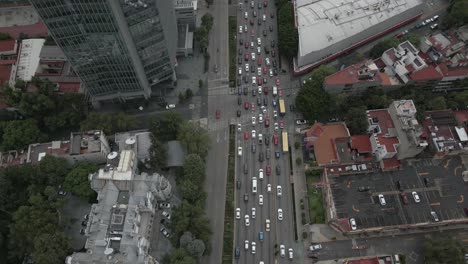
322	23
29	58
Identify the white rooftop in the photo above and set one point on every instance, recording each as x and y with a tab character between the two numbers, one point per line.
322	23
124	170
29	58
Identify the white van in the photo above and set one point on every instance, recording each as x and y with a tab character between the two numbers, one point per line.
254	185
275	90
396	259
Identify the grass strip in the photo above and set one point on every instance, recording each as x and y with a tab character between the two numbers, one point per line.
228	236
315	197
232	49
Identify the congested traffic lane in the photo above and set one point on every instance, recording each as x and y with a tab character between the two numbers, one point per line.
259	23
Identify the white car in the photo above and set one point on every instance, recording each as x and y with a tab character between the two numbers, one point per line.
239	127
279	191
268	187
259	41
251	44
246	15
275	114
167	215
254	80
253	248
352	222
315	247
416	197
382	199
170	106
247	220
240	71
282	251
280	214
271	73
259	71
254	133
254	119
260	138
260	90
245	28
247	67
260	118
264	17
276	126
260	199
246	245
252	56
241	29
260	174
254	213
259	50
239	151
238	214
267	225
267	61
291	255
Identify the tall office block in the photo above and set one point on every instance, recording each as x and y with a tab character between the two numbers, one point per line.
119	48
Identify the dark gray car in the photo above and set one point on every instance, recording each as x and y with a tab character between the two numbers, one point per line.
278	170
260	157
254	148
267	154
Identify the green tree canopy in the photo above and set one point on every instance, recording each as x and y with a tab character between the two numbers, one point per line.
443	251
53	170
20	133
109	123
158	154
76	181
312	102
50	248
288	37
194	138
180	256
383	45
207	21
457	14
356	120
166	127
437	103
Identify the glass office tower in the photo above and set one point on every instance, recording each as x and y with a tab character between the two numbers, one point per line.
120	49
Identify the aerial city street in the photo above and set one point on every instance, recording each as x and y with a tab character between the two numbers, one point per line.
234	131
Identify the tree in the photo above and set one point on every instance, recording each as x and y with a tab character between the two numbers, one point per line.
109	123
50	248
457	14
312	102
4	36
19	134
180	256
158	154
415	39
438	103
53	170
443	250
356	120
378	49
166	127
196	248
200	83
207	21
188	93
297	145
194	168
77	182
190	193
298	161
185	239
288	37
181	97
194	138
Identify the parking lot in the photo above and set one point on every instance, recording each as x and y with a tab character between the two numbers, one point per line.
440	188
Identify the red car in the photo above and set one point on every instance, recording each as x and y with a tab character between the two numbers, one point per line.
218	113
280	92
265	89
265	70
275	139
246	105
281	124
246	57
277	81
251	22
246	44
259	81
268	170
259	61
252	33
246	135
267	122
252	106
265	3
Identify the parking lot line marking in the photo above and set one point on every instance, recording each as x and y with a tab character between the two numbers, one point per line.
423	173
462	198
434	204
355	209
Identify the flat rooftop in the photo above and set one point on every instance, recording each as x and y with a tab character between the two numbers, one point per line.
326	22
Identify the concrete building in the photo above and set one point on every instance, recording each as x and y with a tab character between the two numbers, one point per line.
329	28
139	141
119	227
27	61
120	49
186	14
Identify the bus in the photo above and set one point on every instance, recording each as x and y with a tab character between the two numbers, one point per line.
282	108
285	142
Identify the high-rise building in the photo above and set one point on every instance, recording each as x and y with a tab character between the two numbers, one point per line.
119	48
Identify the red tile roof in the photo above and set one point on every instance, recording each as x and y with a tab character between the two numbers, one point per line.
7	62
322	137
350	75
34	30
361	143
452	72
7	45
462	117
390	164
428	73
5	72
385	122
69	87
374	260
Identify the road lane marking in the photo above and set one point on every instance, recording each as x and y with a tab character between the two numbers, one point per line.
423	173
434	204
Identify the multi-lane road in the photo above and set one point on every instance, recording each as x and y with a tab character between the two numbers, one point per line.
257	20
